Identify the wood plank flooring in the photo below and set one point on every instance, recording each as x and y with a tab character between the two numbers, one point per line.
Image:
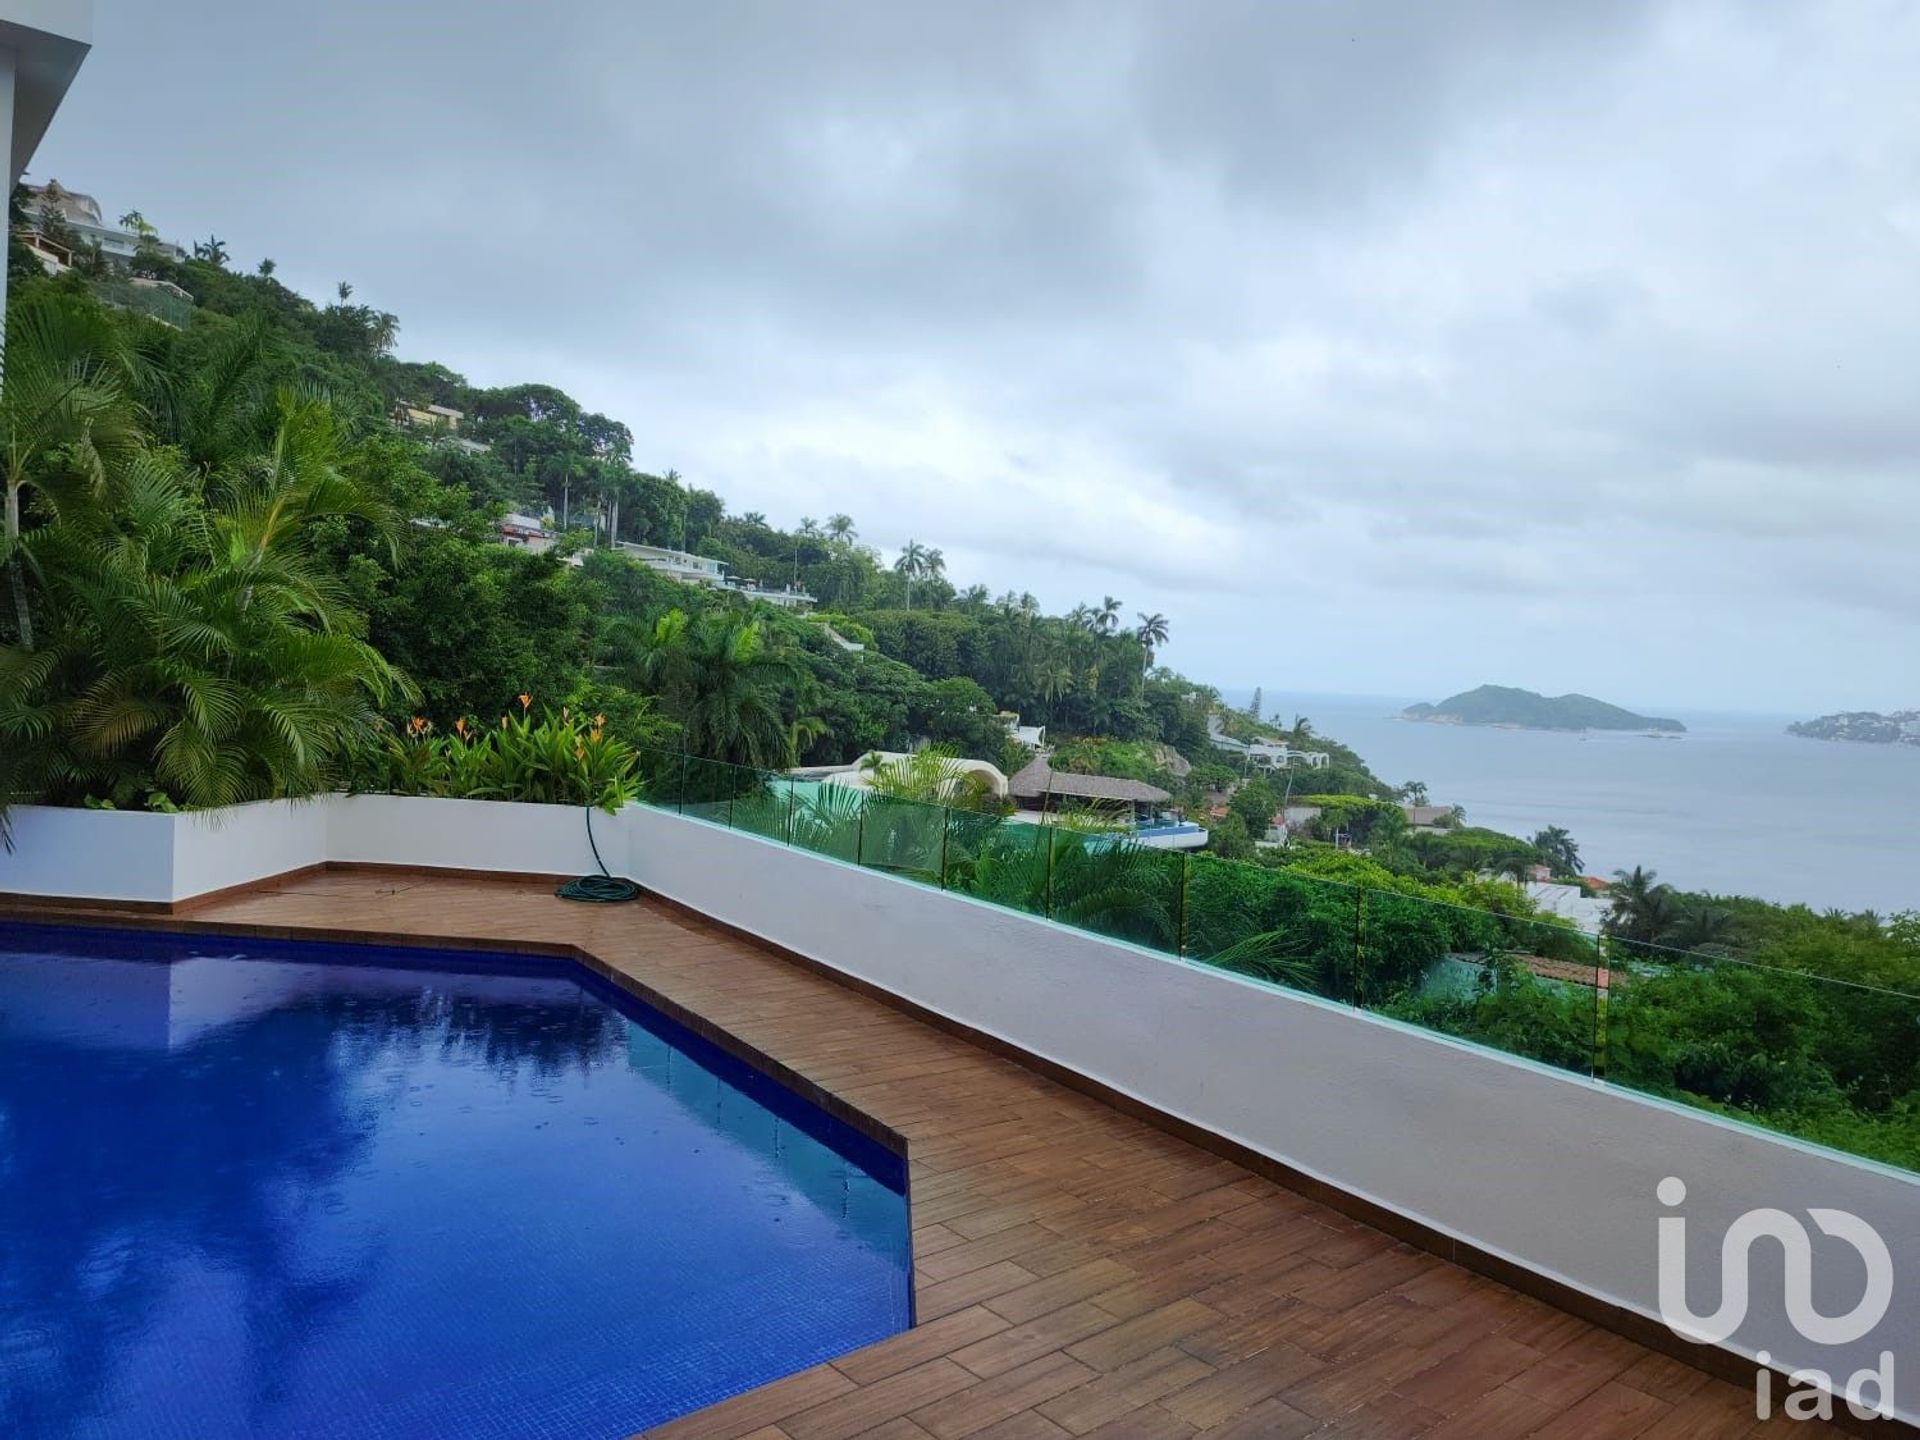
1078	1272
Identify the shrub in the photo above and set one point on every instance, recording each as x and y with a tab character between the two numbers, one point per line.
560	759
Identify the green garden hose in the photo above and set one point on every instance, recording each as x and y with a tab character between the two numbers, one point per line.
601	889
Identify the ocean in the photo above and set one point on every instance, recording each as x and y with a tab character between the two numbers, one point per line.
1736	806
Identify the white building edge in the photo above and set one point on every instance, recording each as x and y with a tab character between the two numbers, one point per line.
42	43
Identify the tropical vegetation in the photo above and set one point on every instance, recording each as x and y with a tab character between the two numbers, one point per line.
239	564
556	759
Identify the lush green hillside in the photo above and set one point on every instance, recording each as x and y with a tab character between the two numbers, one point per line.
1504	705
467	623
229	574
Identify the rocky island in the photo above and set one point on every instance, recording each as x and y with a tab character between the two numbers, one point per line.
1865	727
1504	705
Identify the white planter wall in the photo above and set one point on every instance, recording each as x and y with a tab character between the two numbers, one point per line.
1552	1171
103	854
471	835
218	849
136	856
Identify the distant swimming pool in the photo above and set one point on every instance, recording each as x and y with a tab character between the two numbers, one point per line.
262	1189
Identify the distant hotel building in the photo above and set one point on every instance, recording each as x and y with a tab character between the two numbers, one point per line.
80	214
691	569
1265	754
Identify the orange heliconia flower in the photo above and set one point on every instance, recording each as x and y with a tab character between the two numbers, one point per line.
417	725
599	722
525	700
461	726
579	751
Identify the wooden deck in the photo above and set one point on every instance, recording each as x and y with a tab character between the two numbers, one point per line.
1079	1272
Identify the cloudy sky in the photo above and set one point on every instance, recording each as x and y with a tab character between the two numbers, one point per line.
1386	348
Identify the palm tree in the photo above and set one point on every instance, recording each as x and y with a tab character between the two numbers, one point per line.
200	650
1054	676
213	250
720	681
136	222
345	291
382	330
563	464
809	527
1414	792
1081	617
1302	729
1701	926
1107	618
1643	908
267	267
840	528
934	775
1152	632
911	566
1557	849
65	411
754	520
1090	881
1517	867
611	485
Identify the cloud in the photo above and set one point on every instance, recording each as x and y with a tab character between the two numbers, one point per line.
1374	345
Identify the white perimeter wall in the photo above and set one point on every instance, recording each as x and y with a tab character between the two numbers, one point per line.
1553	1171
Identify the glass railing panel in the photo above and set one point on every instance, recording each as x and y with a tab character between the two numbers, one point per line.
1519	984
825	818
1000	861
1288	929
709	788
903	837
763	805
1820	1059
1824	1060
1108	884
662	778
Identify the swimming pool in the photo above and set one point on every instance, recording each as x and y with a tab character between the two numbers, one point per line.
250	1188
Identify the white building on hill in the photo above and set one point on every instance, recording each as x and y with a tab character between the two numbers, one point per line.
81	214
691	569
1266	754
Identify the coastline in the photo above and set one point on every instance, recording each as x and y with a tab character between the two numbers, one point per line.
1740	811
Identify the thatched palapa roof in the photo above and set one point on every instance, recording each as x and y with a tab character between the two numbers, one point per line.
1039	779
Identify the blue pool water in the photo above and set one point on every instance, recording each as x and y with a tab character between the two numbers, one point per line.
256	1189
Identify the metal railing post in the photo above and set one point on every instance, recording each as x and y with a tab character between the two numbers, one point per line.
1180	925
1047	901
1359	945
1602	995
